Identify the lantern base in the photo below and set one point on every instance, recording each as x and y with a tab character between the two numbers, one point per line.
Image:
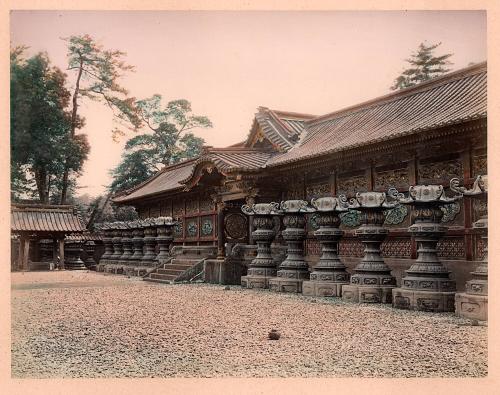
367	293
255	281
471	306
281	284
433	301
322	288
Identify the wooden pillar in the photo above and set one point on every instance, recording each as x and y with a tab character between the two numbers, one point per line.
26	254
20	253
54	253
61	254
221	239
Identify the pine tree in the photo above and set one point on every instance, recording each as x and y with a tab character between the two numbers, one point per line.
423	66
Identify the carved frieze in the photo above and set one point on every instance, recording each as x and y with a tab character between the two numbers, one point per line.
236	226
396	178
396	215
191	206
439	172
351	247
351	219
192	228
317	191
207	227
450	211
451	247
206	205
178	209
479	165
350	185
397	247
313	247
178	229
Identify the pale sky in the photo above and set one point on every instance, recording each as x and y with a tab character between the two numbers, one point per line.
229	63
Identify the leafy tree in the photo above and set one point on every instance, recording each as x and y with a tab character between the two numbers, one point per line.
97	73
168	140
40	123
423	66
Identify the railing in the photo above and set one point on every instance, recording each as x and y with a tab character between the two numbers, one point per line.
193	272
153	269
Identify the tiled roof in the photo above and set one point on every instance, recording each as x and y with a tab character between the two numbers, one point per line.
282	129
45	218
451	99
165	180
454	98
236	159
175	176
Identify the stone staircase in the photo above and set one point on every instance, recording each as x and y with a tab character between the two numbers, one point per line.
185	265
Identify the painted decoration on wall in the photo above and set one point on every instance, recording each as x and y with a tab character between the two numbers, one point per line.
207	227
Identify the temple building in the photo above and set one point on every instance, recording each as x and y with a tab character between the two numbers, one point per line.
426	134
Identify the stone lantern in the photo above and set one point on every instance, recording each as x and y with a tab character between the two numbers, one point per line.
72	252
126	244
164	229
262	268
137	242
108	243
372	281
117	243
89	250
427	285
294	269
329	274
149	255
473	303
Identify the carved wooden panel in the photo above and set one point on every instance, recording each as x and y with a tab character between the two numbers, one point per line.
178	208
236	226
480	248
396	247
479	165
438	172
317	191
206	205
154	212
349	186
397	178
351	247
451	247
295	191
192	227
207	226
166	209
313	247
192	206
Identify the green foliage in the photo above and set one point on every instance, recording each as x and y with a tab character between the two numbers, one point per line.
423	66
98	71
40	123
169	140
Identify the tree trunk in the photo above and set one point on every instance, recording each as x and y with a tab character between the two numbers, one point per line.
74	114
41	185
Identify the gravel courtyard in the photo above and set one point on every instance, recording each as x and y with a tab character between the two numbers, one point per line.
86	324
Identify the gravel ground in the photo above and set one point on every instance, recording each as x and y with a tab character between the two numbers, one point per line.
85	324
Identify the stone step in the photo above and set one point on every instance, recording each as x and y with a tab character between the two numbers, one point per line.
184	261
165	277
157	280
177	267
172	272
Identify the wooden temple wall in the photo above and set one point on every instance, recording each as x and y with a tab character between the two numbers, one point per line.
196	213
459	250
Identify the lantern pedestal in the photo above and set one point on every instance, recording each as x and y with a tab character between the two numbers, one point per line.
294	269
330	273
372	281
263	267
